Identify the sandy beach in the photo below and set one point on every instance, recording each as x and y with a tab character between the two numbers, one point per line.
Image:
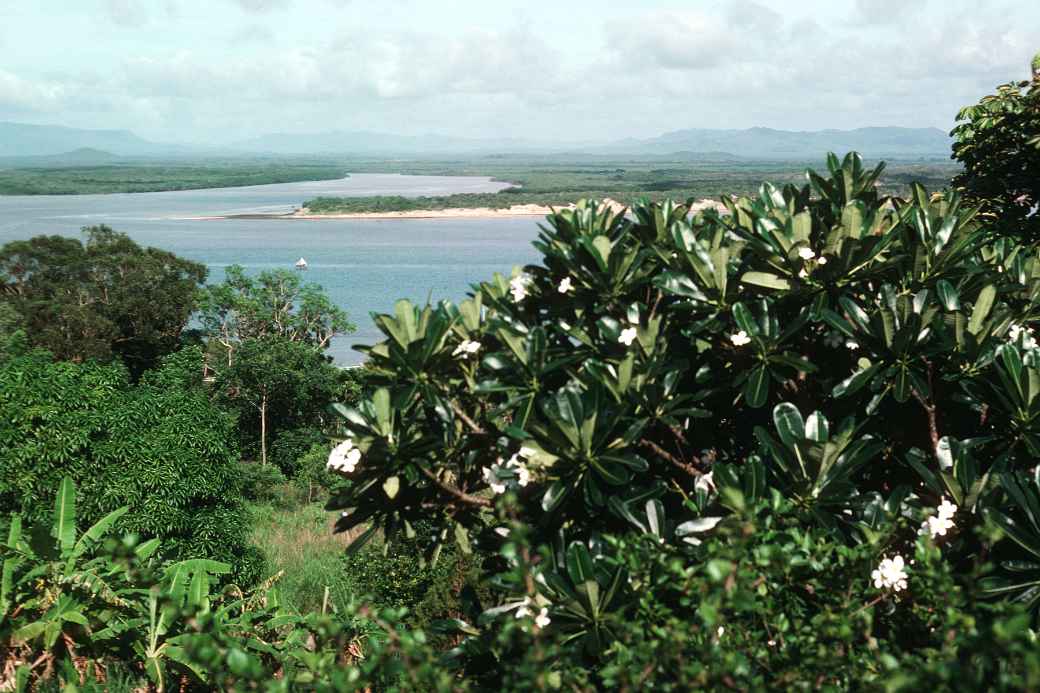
528	210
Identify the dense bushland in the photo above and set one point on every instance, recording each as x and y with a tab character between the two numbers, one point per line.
160	447
103	299
690	385
788	446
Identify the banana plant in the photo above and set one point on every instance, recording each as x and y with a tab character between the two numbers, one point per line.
68	592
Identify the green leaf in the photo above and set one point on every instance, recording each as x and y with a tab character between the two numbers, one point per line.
744	319
948	295
982	307
756	390
65	514
391	486
766	279
789	423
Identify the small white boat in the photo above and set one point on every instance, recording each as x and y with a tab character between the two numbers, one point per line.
301	264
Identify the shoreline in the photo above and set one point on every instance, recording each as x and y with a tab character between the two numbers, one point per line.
526	210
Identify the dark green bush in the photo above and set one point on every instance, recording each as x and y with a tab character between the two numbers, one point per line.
165	451
807	381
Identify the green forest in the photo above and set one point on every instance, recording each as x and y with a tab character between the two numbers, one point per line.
789	445
149	177
550	182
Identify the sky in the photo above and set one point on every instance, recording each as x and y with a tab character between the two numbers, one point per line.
218	71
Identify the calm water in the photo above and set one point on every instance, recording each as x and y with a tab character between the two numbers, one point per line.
364	265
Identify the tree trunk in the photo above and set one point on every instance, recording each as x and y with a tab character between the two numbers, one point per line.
263	429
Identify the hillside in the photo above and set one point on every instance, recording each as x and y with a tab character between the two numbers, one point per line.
20	139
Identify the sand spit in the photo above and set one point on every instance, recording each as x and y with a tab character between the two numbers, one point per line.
529	210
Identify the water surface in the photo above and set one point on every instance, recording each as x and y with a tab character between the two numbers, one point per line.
364	265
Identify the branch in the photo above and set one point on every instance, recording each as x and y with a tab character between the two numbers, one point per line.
470	423
685	467
933	428
454	492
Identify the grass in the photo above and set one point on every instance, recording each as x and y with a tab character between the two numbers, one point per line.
300	544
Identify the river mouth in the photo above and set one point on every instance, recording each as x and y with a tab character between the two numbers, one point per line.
364	266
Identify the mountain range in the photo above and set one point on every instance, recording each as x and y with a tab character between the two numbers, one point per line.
66	145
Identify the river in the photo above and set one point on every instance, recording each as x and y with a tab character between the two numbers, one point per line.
364	265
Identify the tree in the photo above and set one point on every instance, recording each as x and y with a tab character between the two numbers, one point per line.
998	142
276	303
743	442
166	452
280	383
106	298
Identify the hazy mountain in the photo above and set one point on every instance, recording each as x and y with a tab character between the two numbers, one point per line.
85	156
766	143
19	139
361	142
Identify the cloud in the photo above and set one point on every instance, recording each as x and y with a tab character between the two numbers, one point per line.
127	13
19	95
870	12
261	5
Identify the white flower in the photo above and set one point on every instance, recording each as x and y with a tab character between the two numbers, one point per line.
890	574
946	509
740	339
822	260
502	531
802	274
936	526
466	348
491	477
806	253
1028	340
721	631
542	619
628	335
344	457
565	285
705	483
851	345
941	523
518	286
525	608
771	643
523	476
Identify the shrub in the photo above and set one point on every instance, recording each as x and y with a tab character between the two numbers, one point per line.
165	452
865	367
998	142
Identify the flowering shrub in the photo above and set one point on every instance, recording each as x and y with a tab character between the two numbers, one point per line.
864	364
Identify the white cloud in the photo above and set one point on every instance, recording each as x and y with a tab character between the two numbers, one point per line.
127	13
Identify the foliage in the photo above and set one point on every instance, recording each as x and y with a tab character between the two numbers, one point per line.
998	142
856	362
550	181
75	607
101	299
391	576
277	385
276	303
136	177
166	452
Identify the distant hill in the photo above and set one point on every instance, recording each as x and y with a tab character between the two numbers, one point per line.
85	156
19	139
362	142
767	143
94	146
